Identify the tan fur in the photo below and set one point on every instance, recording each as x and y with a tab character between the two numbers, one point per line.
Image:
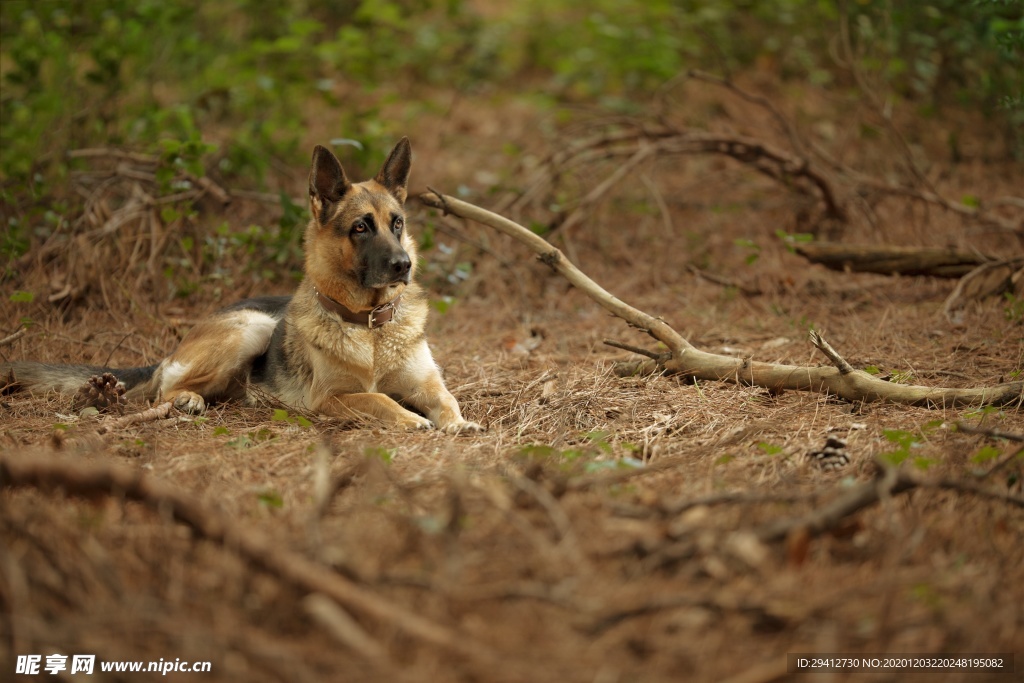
304	353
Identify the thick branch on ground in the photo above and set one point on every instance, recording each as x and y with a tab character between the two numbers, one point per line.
845	382
892	483
93	480
872	258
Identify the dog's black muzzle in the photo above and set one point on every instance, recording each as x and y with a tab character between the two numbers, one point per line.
386	264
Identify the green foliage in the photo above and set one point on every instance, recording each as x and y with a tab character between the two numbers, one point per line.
281	415
595	453
230	89
1014	310
385	455
985	453
907	442
751	246
270	499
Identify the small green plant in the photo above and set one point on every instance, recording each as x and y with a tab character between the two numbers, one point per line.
984	454
596	452
281	415
1014	310
753	248
906	442
793	239
385	455
270	499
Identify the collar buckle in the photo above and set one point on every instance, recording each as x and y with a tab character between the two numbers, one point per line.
385	312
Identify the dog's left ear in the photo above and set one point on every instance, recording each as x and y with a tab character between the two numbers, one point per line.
394	174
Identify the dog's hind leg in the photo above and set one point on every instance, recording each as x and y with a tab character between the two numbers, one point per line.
213	361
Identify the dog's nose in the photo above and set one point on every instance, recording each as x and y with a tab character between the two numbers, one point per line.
400	266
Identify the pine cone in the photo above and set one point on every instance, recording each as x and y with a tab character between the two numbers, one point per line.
103	392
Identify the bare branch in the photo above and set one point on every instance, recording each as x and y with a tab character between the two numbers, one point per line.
13	337
687	360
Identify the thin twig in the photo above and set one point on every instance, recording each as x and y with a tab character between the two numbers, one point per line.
723	281
867	494
11	338
784	124
636	349
985	431
819	343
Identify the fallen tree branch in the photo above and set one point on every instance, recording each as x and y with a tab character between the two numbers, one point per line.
888	260
101	479
892	483
685	359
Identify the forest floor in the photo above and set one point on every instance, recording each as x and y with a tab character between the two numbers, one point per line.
603	529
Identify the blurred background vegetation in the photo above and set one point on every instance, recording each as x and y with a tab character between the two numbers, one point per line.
229	87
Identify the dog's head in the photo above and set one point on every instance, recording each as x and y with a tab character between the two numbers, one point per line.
358	251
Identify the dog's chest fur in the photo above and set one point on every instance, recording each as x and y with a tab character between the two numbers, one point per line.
341	357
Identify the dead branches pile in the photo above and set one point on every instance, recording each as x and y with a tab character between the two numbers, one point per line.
830	190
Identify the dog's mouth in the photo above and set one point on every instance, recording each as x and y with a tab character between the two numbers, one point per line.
384	283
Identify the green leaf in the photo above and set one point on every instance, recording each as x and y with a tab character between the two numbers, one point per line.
21	297
271	499
769	449
385	455
221	431
280	415
261	435
986	453
442	305
536	452
240	442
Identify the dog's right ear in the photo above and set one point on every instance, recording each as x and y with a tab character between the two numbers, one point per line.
327	183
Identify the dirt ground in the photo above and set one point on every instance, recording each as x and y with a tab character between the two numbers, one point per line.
604	529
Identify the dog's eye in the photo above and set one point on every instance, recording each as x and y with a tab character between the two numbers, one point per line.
359	227
398	225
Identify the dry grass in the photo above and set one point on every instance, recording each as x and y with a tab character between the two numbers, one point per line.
538	540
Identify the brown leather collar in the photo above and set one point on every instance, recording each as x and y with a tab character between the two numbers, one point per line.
372	319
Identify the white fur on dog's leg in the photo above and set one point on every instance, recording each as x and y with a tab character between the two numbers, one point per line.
464	427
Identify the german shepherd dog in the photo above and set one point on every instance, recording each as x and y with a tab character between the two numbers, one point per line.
349	343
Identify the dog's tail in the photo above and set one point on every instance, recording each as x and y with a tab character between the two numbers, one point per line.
65	379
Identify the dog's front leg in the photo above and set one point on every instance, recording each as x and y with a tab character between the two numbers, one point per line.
363	407
422	388
434	399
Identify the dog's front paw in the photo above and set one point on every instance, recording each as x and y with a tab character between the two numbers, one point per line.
463	427
413	422
189	402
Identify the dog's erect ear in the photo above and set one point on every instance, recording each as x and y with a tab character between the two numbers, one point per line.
327	183
394	174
